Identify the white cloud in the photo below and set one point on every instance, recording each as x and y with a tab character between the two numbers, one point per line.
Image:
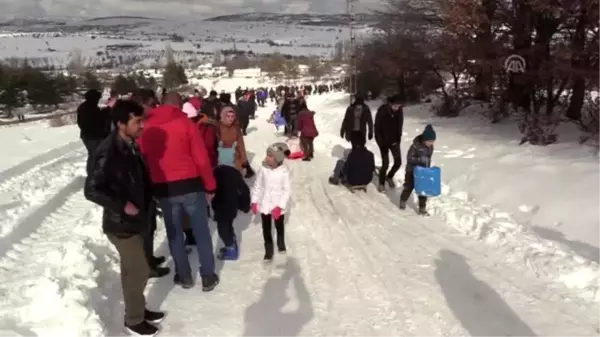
173	8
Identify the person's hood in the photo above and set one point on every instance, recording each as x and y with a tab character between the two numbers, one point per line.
164	114
418	141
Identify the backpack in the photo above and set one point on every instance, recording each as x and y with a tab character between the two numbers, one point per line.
226	155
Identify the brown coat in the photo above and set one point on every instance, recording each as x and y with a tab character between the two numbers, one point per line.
228	134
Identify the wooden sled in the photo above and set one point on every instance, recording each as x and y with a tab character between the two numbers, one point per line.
357	188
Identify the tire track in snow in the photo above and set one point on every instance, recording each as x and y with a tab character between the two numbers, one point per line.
53	265
49	156
25	192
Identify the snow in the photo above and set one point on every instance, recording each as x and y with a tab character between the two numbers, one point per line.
356	264
53	43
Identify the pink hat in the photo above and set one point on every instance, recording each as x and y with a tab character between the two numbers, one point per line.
189	110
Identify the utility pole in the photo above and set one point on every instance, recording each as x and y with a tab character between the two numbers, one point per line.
351	50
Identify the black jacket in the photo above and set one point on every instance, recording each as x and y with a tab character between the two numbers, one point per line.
211	107
359	167
290	109
366	121
418	155
388	125
245	109
119	175
232	193
93	122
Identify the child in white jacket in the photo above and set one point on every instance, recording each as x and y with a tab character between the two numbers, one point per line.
270	196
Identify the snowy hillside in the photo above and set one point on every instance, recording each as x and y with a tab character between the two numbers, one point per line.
143	40
356	264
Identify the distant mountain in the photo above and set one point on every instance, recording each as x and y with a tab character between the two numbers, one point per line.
299	19
122	18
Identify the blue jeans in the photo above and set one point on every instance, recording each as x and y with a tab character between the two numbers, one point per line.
194	206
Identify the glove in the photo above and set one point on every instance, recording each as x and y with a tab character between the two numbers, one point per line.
370	135
254	207
276	213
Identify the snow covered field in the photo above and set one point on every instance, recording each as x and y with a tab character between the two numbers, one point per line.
147	39
356	264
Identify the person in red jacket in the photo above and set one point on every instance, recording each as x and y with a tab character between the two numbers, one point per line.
305	125
196	100
182	181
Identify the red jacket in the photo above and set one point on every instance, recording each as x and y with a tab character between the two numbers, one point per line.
196	102
175	154
305	123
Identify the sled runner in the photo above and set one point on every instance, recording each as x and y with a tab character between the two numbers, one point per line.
357	188
428	181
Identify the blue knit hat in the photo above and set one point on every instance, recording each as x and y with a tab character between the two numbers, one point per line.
428	133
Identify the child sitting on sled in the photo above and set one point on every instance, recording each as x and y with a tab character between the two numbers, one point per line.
419	154
357	168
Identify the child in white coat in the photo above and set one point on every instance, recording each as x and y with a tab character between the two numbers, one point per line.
270	196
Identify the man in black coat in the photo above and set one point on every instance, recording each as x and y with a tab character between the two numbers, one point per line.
119	182
357	120
389	122
289	111
94	124
245	109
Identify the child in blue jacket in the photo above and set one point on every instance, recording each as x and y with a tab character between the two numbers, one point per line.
419	154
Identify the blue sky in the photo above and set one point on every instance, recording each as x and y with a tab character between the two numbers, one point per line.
187	8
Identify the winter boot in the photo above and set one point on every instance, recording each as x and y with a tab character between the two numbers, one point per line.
402	205
155	261
158	272
268	252
423	211
185	283
281	246
229	253
391	182
209	282
306	158
334	181
381	188
153	317
142	329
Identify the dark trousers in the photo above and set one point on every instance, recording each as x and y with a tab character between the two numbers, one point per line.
307	147
149	236
90	145
385	161
267	231
226	232
244	124
409	186
134	275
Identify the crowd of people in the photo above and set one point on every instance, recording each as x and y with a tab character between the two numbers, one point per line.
182	157
185	158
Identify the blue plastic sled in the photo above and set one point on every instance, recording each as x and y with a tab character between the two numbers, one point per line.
428	181
278	120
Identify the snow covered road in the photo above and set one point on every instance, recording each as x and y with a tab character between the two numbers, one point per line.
356	265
